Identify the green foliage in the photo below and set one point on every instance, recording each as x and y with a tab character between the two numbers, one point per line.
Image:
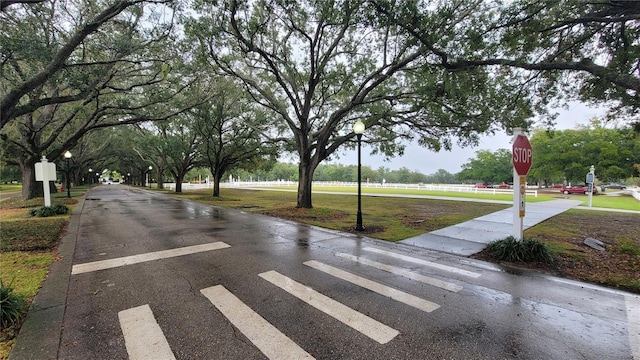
60	209
42	211
45	211
347	173
489	167
12	306
525	250
568	154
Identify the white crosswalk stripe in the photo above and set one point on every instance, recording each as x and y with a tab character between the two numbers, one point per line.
266	337
395	294
143	337
135	259
356	320
403	272
434	265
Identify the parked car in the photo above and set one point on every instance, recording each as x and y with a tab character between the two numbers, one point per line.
613	186
483	186
503	186
578	189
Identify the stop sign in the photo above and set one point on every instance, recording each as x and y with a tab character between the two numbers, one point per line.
522	155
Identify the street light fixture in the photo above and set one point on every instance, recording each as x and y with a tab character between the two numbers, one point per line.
358	129
67	156
149	175
90	176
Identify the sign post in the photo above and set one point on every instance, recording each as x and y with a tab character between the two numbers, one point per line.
522	157
590	180
45	172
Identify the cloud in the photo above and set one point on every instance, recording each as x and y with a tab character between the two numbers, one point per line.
419	159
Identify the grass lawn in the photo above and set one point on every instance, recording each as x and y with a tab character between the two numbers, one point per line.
385	218
27	249
602	201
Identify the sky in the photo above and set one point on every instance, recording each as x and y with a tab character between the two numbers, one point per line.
427	162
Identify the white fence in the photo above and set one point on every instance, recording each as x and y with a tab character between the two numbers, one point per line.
189	186
426	187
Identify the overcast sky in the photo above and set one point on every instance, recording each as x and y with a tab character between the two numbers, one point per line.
428	162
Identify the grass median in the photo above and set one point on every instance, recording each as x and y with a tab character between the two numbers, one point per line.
27	248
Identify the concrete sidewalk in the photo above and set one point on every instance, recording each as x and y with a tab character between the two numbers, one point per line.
472	236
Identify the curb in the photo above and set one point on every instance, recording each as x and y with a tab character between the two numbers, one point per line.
39	337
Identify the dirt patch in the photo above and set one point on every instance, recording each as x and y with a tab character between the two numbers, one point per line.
368	230
9	213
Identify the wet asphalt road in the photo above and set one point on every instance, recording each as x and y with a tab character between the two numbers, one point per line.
478	310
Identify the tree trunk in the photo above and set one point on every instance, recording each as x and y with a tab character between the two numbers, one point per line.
305	178
179	179
217	175
161	183
216	186
29	184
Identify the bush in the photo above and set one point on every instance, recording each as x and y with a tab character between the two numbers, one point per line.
44	211
60	209
12	306
513	250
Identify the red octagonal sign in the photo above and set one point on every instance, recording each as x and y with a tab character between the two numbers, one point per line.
522	155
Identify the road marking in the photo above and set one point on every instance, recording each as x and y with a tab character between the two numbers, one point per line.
395	294
425	262
143	337
266	337
356	320
135	259
633	321
403	272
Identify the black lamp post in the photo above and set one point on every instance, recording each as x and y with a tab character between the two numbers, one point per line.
90	176
150	168
358	129
67	156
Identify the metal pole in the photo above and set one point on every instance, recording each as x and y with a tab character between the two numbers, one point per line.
591	185
359	226
518	197
68	181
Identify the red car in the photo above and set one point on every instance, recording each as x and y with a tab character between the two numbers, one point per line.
578	189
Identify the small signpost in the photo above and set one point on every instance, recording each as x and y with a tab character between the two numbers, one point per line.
590	179
522	157
45	172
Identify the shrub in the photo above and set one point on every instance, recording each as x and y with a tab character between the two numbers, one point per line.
60	209
513	250
12	306
44	211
